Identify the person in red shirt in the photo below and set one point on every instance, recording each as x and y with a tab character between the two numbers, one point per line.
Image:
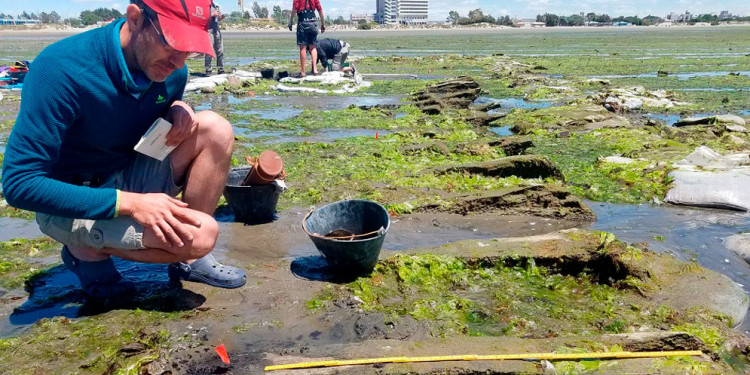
307	30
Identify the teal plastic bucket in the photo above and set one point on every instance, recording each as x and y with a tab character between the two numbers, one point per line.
251	204
349	234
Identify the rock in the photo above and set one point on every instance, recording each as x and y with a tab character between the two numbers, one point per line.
616	160
478	118
538	200
735	140
208	89
436	147
740	245
476	148
523	166
658	341
459	92
598	81
634	98
514	145
736	128
610	123
712	120
132	349
572	117
234	80
625	104
488	107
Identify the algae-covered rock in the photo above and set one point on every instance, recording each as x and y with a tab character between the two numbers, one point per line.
634	98
571	117
515	145
538	200
663	279
456	93
524	166
712	120
436	147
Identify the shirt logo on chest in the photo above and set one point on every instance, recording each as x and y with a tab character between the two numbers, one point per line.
160	100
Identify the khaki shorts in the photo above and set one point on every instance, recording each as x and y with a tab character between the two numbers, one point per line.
144	175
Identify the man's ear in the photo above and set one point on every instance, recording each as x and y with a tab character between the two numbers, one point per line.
133	16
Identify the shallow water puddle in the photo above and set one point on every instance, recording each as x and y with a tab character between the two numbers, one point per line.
687	233
714	89
18	228
58	294
502	131
680	76
285	107
513	103
318	136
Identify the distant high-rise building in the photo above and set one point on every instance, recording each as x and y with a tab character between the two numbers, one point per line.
391	12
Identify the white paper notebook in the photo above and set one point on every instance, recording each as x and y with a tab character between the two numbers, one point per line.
154	142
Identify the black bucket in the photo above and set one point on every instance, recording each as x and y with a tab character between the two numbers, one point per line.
266	73
252	204
349	234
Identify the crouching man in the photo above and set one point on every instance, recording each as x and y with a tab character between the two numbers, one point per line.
336	51
70	157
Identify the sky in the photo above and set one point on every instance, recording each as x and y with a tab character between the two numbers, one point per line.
438	9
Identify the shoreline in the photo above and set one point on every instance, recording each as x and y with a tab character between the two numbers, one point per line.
23	31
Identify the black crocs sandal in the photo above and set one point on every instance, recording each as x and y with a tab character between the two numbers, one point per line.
98	279
208	271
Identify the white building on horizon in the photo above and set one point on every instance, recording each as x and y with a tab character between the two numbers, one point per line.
406	12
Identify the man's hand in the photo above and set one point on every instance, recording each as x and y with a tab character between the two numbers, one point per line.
167	217
184	122
290	25
322	28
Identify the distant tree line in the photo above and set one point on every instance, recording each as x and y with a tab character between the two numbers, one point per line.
51	17
477	16
87	17
551	19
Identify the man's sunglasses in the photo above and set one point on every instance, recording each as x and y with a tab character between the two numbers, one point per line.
164	43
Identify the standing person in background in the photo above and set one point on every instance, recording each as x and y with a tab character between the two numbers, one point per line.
307	30
336	50
214	33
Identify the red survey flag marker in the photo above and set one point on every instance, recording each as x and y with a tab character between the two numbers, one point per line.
222	353
376	135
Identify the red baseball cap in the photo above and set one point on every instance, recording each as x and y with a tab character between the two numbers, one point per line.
184	23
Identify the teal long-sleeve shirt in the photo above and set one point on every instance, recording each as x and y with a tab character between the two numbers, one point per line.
81	114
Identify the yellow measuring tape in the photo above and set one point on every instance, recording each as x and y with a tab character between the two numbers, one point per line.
498	357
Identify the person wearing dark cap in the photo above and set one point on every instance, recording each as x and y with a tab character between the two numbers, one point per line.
70	156
214	34
307	30
337	51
